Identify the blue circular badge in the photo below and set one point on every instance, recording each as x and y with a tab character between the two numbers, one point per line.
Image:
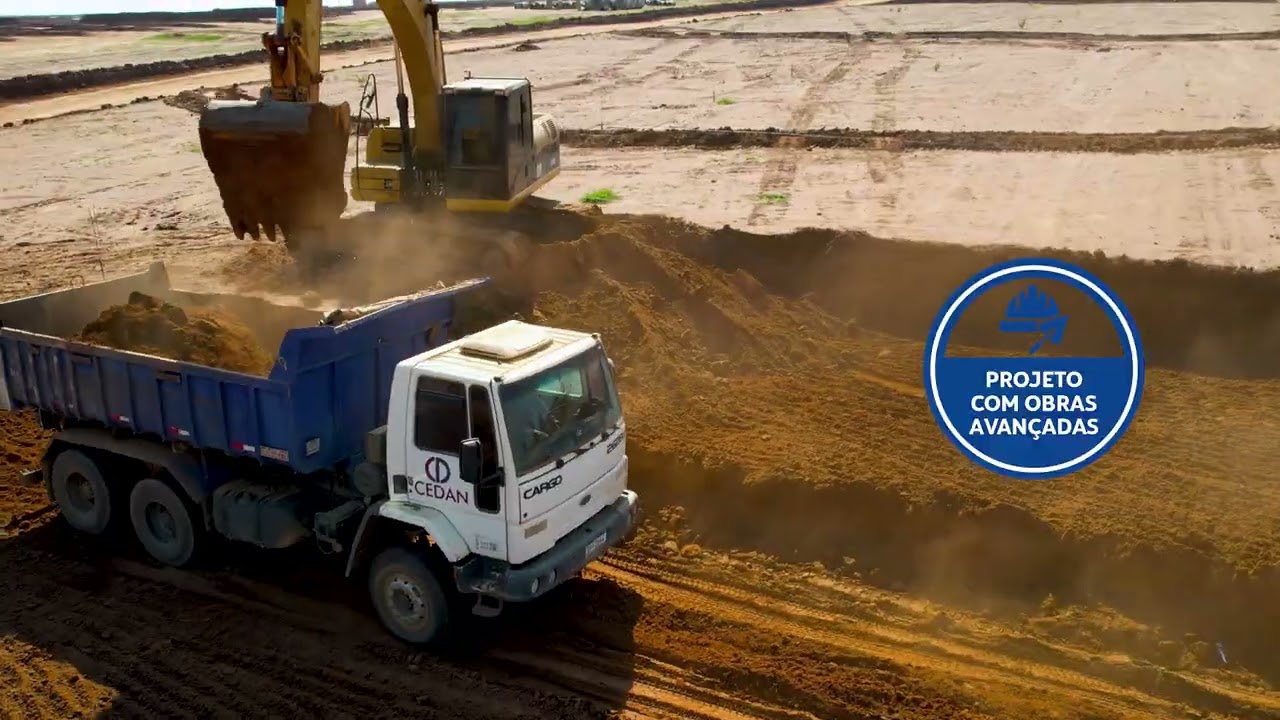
1056	402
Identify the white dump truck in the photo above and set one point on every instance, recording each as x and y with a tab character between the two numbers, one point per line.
492	467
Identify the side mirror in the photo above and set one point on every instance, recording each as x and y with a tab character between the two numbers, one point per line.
469	461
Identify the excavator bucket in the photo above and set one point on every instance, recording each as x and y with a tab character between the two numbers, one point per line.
278	165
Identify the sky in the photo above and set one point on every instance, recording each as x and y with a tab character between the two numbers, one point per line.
78	7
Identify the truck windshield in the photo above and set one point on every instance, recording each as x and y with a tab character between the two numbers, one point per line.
559	409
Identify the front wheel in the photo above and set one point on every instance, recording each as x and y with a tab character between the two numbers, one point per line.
408	597
166	526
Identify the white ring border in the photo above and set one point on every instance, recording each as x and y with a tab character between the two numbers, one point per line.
935	341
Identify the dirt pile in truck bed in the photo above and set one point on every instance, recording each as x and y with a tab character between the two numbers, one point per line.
207	336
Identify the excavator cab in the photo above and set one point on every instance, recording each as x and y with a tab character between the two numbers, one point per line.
496	151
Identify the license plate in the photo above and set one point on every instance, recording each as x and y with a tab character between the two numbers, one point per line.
596	545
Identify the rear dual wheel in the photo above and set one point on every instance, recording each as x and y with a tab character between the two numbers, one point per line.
81	492
165	523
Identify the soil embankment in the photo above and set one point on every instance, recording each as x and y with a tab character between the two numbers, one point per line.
772	389
907	140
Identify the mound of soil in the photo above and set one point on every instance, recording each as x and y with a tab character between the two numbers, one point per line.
204	335
22	443
195	101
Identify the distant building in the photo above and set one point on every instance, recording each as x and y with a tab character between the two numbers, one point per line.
357	4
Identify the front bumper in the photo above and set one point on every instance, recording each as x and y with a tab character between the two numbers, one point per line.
564	560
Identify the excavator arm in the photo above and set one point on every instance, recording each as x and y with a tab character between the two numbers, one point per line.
293	51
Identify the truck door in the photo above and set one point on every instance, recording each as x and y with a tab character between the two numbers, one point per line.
445	413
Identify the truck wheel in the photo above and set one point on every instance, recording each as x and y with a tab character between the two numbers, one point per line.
408	597
81	492
165	525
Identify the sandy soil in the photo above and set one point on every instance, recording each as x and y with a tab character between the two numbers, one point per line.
787	83
344	70
1214	207
47	54
814	547
1083	17
151	196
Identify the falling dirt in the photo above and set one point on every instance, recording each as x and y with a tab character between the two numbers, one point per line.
206	336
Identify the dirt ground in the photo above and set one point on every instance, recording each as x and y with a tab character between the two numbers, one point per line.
814	547
45	53
1120	18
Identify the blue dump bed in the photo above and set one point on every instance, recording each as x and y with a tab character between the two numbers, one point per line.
330	384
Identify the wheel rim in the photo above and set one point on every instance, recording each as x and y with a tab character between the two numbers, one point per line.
80	494
407	602
161	524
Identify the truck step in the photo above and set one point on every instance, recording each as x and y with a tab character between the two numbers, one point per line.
487	607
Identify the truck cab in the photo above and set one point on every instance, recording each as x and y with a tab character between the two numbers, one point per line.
507	447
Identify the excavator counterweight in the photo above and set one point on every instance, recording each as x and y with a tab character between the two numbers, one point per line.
279	166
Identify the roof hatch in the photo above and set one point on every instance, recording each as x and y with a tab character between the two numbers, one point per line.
506	342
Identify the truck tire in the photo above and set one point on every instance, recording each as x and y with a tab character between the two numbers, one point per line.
165	524
81	492
408	596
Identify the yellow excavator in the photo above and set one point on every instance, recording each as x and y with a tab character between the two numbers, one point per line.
472	146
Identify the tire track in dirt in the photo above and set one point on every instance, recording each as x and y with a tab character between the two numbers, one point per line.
1012	36
888	139
780	173
1032	667
619	80
1068	2
609	73
882	166
158	638
659	689
170	643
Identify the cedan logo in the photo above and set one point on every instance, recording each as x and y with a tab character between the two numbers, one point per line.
1057	406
